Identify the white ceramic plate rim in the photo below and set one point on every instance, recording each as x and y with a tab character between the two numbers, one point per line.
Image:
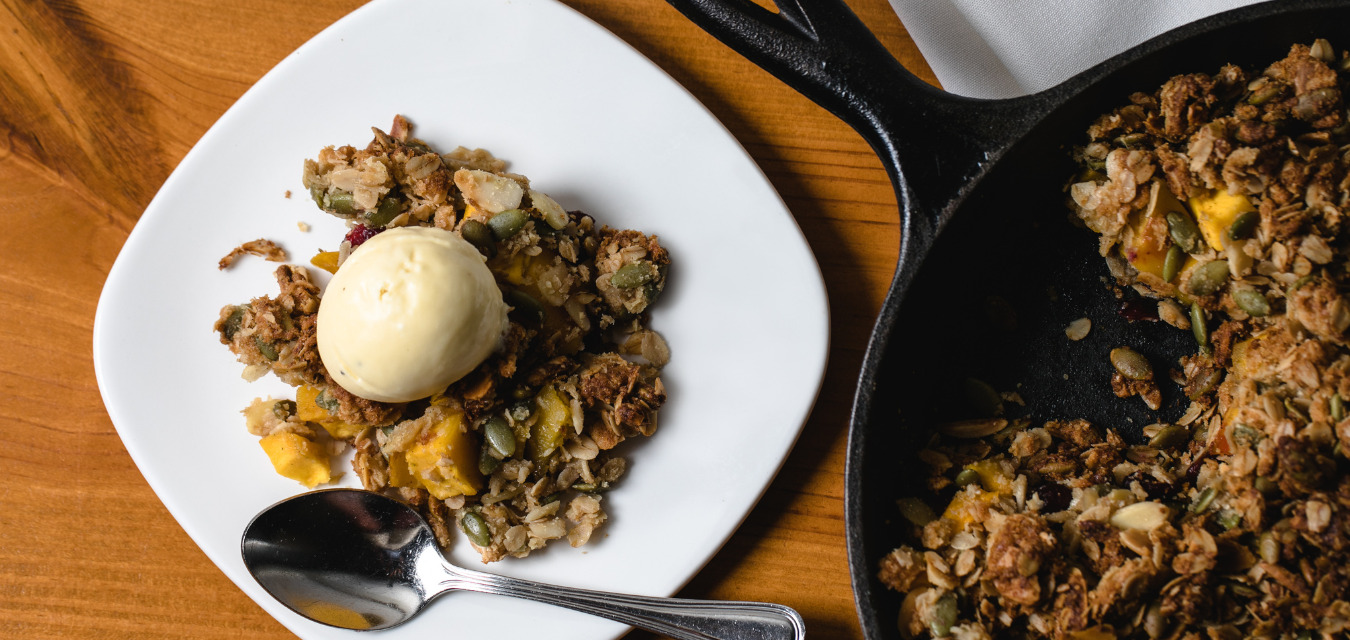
746	313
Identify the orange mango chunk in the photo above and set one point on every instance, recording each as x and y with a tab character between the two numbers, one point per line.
297	458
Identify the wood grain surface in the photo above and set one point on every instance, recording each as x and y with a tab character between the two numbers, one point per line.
100	99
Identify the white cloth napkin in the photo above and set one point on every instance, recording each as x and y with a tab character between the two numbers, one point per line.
1006	48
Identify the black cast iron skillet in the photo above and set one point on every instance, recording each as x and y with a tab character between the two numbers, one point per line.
989	296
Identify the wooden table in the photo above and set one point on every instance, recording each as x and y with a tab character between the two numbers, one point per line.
100	99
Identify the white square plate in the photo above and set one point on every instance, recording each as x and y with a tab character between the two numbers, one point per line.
595	125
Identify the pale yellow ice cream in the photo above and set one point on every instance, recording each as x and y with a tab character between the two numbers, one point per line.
409	312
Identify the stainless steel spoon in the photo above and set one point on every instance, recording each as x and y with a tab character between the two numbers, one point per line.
359	560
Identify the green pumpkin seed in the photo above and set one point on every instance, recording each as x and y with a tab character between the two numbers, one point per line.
341	203
267	349
1209	381
1170	437
1265	93
1251	301
500	436
1244	434
283	408
316	194
981	400
1244	225
967	477
915	511
584	487
1132	139
1265	485
476	528
943	616
1229	519
488	463
233	322
387	210
1203	501
1209	278
550	498
632	275
1322	50
1172	264
1183	231
507	223
325	401
1131	364
1337	408
477	233
1198	326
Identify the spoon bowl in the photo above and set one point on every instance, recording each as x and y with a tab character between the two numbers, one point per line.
360	560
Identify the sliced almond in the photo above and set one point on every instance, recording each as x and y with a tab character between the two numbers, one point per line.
1144	516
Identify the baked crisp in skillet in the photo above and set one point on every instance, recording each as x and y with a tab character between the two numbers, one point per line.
1223	197
520	451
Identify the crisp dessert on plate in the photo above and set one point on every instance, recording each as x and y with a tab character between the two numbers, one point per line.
1222	199
480	348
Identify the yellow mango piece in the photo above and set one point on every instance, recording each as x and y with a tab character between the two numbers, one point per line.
993	477
399	475
446	441
1243	367
967	506
1239	356
326	260
297	458
970	505
555	415
1146	247
1215	211
307	408
520	267
1099	632
342	430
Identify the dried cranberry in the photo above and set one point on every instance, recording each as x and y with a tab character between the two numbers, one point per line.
1155	488
1054	496
361	233
1138	309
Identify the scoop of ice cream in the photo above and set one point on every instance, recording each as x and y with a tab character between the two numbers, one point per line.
410	311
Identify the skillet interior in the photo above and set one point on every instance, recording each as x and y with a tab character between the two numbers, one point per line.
1011	241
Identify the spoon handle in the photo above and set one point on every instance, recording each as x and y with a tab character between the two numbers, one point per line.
680	619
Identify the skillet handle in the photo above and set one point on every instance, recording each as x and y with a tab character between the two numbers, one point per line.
933	144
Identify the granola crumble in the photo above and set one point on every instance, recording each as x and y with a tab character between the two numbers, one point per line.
519	452
1223	197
